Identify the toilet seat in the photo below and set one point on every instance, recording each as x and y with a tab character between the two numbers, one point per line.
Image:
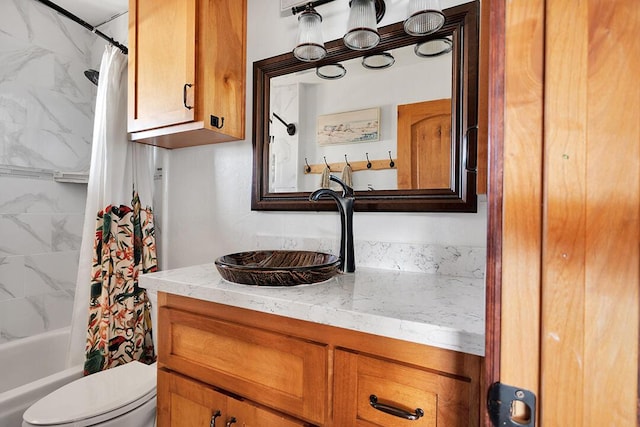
96	398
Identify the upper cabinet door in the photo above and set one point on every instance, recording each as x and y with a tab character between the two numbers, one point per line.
162	37
187	71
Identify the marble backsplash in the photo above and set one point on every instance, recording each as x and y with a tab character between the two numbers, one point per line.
460	261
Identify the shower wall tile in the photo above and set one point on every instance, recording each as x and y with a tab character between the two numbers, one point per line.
25	63
41	26
50	110
21	195
54	271
66	232
24	234
23	317
46	122
11	277
14	106
45	149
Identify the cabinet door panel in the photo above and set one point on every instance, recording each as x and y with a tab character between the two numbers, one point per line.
249	415
162	60
279	371
186	403
445	401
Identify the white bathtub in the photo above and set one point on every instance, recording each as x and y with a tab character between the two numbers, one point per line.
31	368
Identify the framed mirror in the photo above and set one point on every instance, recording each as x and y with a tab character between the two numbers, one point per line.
402	115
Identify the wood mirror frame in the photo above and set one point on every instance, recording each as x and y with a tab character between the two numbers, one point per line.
462	24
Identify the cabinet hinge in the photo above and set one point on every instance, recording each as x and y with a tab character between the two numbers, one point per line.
511	406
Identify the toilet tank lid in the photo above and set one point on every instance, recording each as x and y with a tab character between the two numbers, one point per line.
93	395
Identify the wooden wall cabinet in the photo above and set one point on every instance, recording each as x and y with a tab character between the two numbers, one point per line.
187	62
270	371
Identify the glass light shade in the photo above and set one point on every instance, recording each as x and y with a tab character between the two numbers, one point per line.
362	30
310	45
425	17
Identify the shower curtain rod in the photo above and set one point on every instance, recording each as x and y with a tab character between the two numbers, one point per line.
86	25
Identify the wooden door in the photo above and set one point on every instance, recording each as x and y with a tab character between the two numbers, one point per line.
162	47
424	145
565	194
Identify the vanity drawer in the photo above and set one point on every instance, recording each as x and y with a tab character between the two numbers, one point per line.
276	370
444	400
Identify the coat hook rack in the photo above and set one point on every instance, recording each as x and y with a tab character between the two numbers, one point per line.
291	128
355	166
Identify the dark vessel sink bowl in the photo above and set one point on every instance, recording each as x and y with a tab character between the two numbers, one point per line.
278	267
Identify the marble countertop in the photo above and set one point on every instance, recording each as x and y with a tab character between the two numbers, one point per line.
432	309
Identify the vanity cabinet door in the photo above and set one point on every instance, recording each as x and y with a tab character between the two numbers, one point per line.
186	403
405	395
279	371
187	67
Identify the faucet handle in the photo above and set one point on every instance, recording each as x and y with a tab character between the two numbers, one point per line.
347	191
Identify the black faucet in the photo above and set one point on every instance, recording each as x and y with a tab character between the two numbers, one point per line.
345	206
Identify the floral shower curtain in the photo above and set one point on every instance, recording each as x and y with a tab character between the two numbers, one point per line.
111	322
119	311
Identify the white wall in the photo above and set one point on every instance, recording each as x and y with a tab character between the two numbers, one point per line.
208	188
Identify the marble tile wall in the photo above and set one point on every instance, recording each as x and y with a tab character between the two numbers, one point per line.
46	123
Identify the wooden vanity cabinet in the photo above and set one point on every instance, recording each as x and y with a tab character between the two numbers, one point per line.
283	372
187	67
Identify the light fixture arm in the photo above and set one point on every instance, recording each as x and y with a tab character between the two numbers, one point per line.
312	4
381	7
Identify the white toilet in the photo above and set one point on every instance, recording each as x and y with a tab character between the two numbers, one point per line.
124	396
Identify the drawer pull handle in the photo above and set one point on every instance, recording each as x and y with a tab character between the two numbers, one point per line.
232	420
213	418
184	96
396	412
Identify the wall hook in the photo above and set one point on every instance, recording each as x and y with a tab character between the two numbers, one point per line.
368	161
325	162
346	161
217	122
391	163
307	168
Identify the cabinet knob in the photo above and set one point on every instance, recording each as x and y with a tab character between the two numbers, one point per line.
213	418
396	412
184	96
231	420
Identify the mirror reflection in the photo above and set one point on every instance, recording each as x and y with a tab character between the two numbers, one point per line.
400	118
348	114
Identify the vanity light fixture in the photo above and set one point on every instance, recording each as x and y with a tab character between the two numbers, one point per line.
362	32
310	46
425	17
